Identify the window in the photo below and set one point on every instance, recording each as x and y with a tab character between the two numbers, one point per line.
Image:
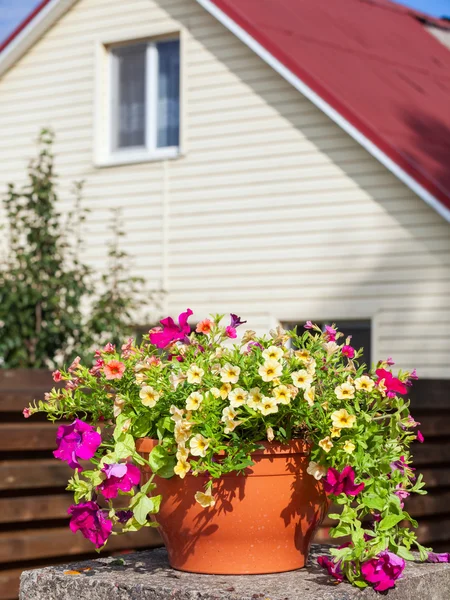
361	332
145	99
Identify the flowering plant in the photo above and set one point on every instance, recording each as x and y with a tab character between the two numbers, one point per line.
202	394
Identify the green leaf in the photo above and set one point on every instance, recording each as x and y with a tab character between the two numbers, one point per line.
405	553
161	462
145	506
148	487
389	521
374	502
142	426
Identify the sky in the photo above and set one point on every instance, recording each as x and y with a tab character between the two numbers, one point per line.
13	11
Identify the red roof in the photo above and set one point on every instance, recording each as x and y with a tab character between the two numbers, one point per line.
372	61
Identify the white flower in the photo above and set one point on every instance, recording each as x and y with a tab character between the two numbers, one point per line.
228	414
270	370
182	468
316	470
193	401
198	445
268	406
237	397
176	378
177	413
149	396
345	391
230	426
205	499
364	383
195	374
310	395
282	394
229	373
254	398
302	379
273	353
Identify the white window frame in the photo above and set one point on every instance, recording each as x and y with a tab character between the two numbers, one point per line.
105	154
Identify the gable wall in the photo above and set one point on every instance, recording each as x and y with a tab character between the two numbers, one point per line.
273	212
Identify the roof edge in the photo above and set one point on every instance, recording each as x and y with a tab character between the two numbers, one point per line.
30	30
413	183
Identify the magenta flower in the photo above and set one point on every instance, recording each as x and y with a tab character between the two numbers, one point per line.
393	385
72	384
119	477
333	568
348	351
127	349
443	557
91	521
420	437
109	348
98	367
26	413
234	324
172	332
76	441
231	332
401	493
308	325
342	483
414	375
402	466
330	333
74	366
124	515
383	570
57	376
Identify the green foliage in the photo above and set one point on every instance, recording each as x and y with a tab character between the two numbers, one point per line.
45	288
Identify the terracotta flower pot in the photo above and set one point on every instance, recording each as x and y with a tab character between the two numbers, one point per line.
262	522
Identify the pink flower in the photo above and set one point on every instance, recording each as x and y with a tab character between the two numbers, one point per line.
74	366
72	384
91	521
389	361
308	325
402	466
393	385
443	557
401	493
330	333
127	349
414	375
57	376
120	476
26	413
99	364
333	568
114	369
420	437
204	327
172	332
342	483
231	332
383	570
348	351
76	441
109	348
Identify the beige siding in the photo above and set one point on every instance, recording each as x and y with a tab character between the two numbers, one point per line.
272	212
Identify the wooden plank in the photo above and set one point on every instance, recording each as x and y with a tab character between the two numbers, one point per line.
431	504
25	379
32	544
431	454
22	474
13	402
34	508
430	393
29	436
429	532
437	425
9	584
436	477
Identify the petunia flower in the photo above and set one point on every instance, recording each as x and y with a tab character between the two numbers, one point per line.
330	333
342	482
171	331
127	348
234	324
348	351
393	385
402	466
56	375
443	557
124	515
308	325
119	477
98	367
401	493
88	518
383	570
109	348
26	413
114	369
333	568
420	437
76	441
204	327
231	332
75	364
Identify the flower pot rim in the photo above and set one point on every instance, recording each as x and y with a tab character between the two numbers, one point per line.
295	446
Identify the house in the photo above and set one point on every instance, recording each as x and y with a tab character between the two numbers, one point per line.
283	159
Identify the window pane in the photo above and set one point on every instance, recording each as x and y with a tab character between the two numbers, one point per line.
129	113
168	113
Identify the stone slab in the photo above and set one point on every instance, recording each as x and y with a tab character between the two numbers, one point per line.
147	576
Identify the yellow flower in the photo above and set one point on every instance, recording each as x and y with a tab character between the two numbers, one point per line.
345	391
225	390
302	379
303	355
182	453
316	470
310	395
237	397
268	406
254	398
335	432
140	378
282	394
341	419
364	383
230	425
273	353
182	431
325	405
228	414
326	444
229	373
182	468
249	335
195	374
193	401
311	367
149	396
215	392
270	434
270	370
176	378
349	447
198	445
292	389
177	413
119	403
205	499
